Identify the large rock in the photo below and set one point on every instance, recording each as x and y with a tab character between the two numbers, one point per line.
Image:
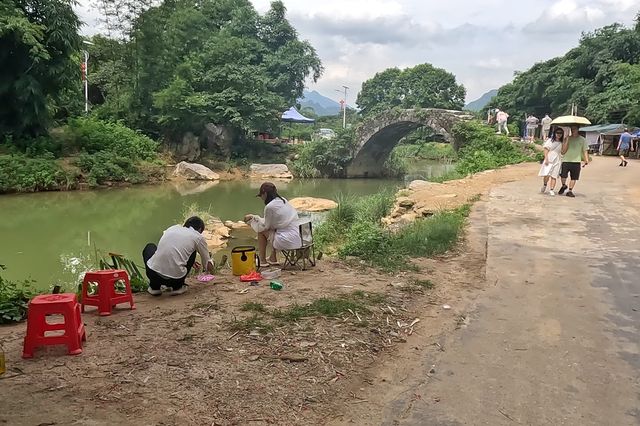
216	233
194	171
310	204
188	149
405	202
218	139
277	171
236	225
421	184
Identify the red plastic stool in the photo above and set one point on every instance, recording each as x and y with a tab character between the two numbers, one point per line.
65	304
106	296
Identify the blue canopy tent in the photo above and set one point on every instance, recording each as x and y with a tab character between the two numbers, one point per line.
293	116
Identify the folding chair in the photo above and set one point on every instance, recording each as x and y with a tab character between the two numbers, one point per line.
299	257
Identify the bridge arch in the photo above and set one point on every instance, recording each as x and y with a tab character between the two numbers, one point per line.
377	136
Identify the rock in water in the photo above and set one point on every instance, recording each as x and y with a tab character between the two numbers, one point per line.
194	171
235	225
310	204
277	171
216	233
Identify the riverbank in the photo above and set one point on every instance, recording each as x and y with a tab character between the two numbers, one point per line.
247	355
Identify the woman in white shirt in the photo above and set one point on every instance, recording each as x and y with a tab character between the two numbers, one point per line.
552	162
279	228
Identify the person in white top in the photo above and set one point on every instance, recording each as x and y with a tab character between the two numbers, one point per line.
279	229
546	126
170	261
502	118
532	125
550	169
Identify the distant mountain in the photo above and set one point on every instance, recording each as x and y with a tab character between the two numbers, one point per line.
480	103
320	104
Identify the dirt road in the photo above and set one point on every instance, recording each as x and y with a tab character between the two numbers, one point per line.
555	337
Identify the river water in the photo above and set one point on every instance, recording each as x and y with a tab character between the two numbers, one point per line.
51	237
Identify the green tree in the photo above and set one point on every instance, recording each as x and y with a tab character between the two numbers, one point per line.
39	60
423	86
203	61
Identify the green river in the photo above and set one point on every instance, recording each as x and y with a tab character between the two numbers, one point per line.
51	237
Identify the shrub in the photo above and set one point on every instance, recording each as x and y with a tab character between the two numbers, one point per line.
427	151
91	135
482	149
19	173
14	299
325	157
103	167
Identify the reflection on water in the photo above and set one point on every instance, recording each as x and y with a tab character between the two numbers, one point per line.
52	237
427	169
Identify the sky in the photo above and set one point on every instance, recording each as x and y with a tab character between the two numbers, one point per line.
482	42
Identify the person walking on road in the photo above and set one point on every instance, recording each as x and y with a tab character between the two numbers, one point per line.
574	151
624	145
552	162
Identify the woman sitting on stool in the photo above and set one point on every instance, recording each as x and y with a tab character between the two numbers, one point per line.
278	228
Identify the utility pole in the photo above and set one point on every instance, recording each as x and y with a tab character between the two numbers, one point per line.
344	106
85	70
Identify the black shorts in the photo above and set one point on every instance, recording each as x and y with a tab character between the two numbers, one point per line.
570	168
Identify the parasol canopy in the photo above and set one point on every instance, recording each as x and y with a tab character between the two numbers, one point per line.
570	119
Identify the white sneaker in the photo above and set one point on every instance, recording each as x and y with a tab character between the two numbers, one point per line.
179	291
543	189
154	292
551	192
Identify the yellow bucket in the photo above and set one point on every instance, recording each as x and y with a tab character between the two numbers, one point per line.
244	260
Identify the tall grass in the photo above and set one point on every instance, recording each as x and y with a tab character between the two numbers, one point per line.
431	236
354	229
352	212
374	207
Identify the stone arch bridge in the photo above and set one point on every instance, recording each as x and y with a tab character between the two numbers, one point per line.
377	136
